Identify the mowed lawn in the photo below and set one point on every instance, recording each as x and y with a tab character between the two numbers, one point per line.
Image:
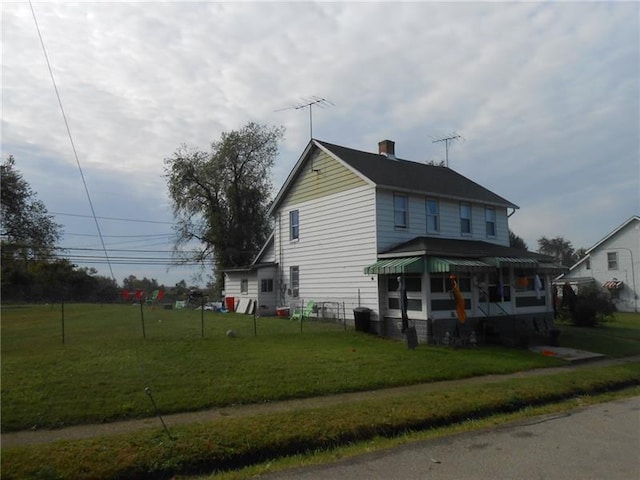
100	373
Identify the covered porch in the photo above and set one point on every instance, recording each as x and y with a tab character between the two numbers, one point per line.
507	293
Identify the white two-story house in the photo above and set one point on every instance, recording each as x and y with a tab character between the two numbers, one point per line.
349	223
612	263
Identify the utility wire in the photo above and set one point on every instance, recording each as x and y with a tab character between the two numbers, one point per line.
112	218
73	147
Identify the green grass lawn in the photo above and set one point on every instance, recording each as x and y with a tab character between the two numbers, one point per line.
619	337
101	371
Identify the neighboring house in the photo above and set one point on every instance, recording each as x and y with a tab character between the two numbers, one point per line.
257	281
611	263
349	224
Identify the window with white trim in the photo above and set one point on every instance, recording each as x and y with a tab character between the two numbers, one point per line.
490	221
465	218
400	210
294	225
612	260
433	215
294	278
244	286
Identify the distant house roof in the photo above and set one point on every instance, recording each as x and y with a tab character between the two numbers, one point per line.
400	175
635	218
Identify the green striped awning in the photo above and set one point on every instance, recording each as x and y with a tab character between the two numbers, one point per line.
396	265
515	261
446	265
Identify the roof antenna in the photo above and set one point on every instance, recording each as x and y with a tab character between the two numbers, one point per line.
447	140
310	102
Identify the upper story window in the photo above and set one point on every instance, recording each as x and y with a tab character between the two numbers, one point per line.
433	216
490	221
294	225
400	210
465	218
612	260
588	263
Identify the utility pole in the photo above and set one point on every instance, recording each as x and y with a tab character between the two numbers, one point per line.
446	141
310	102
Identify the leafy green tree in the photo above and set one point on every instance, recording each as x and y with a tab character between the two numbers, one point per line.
27	230
134	283
221	197
517	242
559	248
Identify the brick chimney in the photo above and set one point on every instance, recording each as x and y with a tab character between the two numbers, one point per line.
387	148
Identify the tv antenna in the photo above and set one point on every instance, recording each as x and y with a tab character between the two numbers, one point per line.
451	138
310	102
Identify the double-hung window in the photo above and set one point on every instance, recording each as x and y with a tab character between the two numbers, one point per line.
465	218
294	225
244	286
612	260
400	210
433	216
294	278
490	221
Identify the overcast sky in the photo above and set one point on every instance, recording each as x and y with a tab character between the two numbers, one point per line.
545	95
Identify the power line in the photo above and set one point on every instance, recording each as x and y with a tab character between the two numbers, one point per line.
73	146
112	218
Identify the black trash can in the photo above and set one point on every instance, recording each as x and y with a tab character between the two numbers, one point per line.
362	317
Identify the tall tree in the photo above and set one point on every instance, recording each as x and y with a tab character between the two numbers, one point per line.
26	228
558	248
517	242
221	197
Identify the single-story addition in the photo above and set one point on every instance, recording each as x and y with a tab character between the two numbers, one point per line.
350	225
611	263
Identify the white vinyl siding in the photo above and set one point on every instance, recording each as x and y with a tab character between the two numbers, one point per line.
338	242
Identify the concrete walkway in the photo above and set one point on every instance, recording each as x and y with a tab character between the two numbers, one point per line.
29	437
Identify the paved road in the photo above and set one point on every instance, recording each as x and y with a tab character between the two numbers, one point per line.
600	442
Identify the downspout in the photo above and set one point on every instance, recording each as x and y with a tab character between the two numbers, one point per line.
514	211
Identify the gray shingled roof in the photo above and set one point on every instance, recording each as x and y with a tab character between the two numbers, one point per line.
451	247
411	176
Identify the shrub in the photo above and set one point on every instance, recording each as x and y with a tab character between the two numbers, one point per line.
593	306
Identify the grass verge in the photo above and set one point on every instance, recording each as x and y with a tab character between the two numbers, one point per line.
378	444
234	443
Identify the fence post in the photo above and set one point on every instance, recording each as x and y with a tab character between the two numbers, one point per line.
62	321
202	316
144	334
